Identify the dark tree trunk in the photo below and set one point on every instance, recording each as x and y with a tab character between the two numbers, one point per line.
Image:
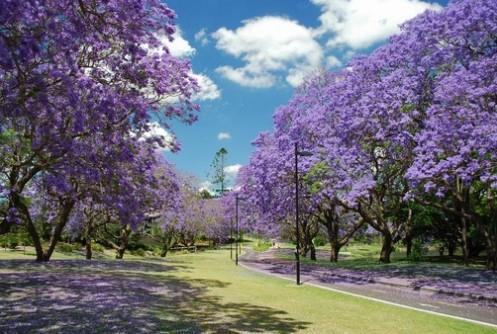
123	242
494	265
35	238
408	242
441	251
89	233
57	231
492	260
304	251
164	251
313	251
491	241
5	227
333	240
409	233
335	250
462	204
465	245
120	253
88	248
386	248
451	248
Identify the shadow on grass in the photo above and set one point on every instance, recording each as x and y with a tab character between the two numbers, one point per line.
450	281
77	296
428	268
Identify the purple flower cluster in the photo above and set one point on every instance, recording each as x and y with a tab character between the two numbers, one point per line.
415	121
79	86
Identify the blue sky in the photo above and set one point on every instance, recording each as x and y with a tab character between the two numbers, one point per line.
251	54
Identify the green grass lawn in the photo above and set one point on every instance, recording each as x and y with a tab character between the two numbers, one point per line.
208	293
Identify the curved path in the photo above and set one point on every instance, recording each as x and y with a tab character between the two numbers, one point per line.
480	309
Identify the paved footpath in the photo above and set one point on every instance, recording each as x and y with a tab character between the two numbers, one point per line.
466	293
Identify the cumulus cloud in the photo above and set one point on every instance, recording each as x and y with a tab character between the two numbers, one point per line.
223	136
208	89
207	186
269	46
358	24
332	61
179	47
245	76
232	170
157	132
202	37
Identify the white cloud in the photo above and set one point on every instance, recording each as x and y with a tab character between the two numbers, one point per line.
270	46
232	170
208	89
179	47
333	61
244	76
202	37
156	131
358	24
206	185
223	136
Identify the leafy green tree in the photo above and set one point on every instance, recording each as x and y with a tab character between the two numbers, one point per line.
219	175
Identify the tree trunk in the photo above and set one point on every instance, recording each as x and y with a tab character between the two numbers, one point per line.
441	250
386	248
333	240
408	241
5	227
335	249
304	251
123	242
120	253
492	260
409	233
451	248
88	248
164	251
88	236
494	267
491	240
313	251
304	246
57	231
465	245
33	233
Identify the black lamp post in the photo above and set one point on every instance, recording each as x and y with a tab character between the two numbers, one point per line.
297	214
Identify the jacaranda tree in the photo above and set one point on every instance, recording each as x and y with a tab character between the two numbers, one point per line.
410	125
78	85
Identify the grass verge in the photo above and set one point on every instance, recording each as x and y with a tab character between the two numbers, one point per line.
206	292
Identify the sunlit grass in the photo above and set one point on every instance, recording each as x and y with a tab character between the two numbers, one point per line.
208	293
321	311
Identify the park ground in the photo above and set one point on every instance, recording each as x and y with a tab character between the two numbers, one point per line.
187	293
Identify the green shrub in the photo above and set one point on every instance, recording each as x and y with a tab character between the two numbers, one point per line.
65	247
319	241
261	245
4	241
97	247
157	251
138	252
417	251
9	241
13	243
